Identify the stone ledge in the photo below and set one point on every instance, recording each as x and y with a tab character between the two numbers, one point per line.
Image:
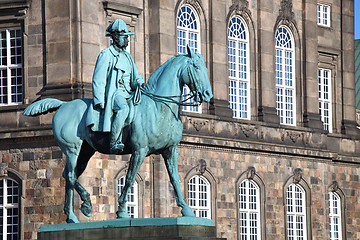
140	228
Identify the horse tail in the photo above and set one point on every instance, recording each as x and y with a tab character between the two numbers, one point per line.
43	106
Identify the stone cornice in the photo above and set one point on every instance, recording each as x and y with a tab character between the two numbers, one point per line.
115	7
13	10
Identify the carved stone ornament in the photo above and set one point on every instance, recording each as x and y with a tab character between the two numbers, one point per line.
247	129
198	124
201	167
334	187
251	173
240	6
3	170
294	136
285	12
195	3
298	172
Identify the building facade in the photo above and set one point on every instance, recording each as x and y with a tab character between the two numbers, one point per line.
274	155
357	78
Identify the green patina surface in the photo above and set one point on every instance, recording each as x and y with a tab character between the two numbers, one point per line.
357	73
134	222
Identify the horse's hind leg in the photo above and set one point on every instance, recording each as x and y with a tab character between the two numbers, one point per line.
69	175
171	156
86	153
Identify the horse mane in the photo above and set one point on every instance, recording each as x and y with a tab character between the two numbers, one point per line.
151	84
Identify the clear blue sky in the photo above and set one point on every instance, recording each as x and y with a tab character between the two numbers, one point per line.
357	19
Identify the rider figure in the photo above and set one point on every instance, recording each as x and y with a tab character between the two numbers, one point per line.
115	79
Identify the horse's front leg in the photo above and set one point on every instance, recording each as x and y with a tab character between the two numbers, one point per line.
137	158
171	156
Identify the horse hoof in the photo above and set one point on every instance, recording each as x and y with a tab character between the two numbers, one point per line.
72	219
86	208
187	212
122	214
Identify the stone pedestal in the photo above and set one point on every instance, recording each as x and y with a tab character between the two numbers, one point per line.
145	228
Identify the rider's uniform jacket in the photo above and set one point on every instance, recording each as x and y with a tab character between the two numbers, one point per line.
115	73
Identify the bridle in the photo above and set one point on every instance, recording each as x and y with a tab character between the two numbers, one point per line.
172	99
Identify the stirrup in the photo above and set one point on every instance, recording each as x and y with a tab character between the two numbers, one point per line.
118	147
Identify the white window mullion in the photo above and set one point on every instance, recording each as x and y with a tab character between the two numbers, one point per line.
323	15
198	187
296	212
324	94
285	76
239	70
188	33
4	209
335	216
249	210
132	202
8	70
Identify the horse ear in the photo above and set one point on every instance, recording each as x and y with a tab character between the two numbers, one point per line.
190	52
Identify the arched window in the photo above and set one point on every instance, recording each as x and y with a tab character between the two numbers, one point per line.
335	216
249	210
285	76
132	203
188	33
238	60
199	194
296	212
10	193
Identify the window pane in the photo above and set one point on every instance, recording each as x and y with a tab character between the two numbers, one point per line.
238	68
11	85
285	76
249	210
188	34
335	216
199	196
132	197
324	94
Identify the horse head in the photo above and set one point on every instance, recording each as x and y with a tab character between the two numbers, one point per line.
195	76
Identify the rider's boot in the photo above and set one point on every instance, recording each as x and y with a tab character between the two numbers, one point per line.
116	146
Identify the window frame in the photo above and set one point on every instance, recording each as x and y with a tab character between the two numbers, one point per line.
323	100
335	189
6	206
252	175
8	173
236	79
249	211
281	112
297	178
133	191
203	170
140	191
197	208
197	32
296	214
333	216
8	67
320	15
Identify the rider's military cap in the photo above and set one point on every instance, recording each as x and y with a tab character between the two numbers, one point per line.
118	25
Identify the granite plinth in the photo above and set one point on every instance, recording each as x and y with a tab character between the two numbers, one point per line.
140	228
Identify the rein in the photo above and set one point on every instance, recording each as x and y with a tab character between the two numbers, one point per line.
170	99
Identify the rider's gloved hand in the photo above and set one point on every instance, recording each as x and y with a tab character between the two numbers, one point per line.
99	106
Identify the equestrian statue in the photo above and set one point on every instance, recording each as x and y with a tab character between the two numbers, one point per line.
125	117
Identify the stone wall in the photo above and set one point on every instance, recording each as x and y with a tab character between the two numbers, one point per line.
40	163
